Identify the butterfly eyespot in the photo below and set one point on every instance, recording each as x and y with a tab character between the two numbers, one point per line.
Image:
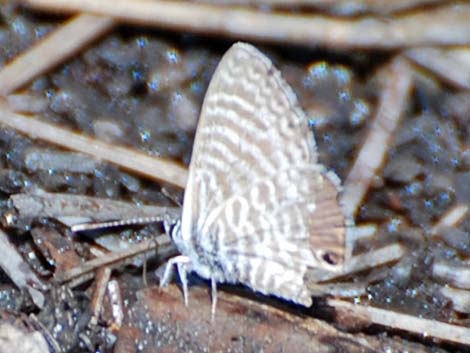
331	258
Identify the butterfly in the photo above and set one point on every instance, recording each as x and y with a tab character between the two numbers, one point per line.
259	209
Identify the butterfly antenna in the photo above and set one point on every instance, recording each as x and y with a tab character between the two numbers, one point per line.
171	196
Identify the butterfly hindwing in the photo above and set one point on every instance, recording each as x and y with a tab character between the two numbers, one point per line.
269	234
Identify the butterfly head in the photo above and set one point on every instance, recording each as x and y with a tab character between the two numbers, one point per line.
184	247
176	235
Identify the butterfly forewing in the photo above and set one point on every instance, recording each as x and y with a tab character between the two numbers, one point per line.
254	187
243	133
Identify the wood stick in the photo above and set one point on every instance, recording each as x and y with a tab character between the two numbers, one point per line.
451	64
417	325
346	8
373	152
152	167
450	24
112	260
53	50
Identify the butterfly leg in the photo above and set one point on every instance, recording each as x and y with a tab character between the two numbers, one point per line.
183	265
213	297
183	268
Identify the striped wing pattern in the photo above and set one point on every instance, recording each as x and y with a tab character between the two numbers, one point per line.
257	201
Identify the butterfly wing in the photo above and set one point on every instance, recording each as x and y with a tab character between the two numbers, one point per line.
250	126
269	234
257	204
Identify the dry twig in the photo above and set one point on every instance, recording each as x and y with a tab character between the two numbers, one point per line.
373	152
351	7
353	234
450	24
453	65
18	271
116	302
101	283
420	326
37	159
86	270
460	298
52	50
451	218
78	209
459	276
152	167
